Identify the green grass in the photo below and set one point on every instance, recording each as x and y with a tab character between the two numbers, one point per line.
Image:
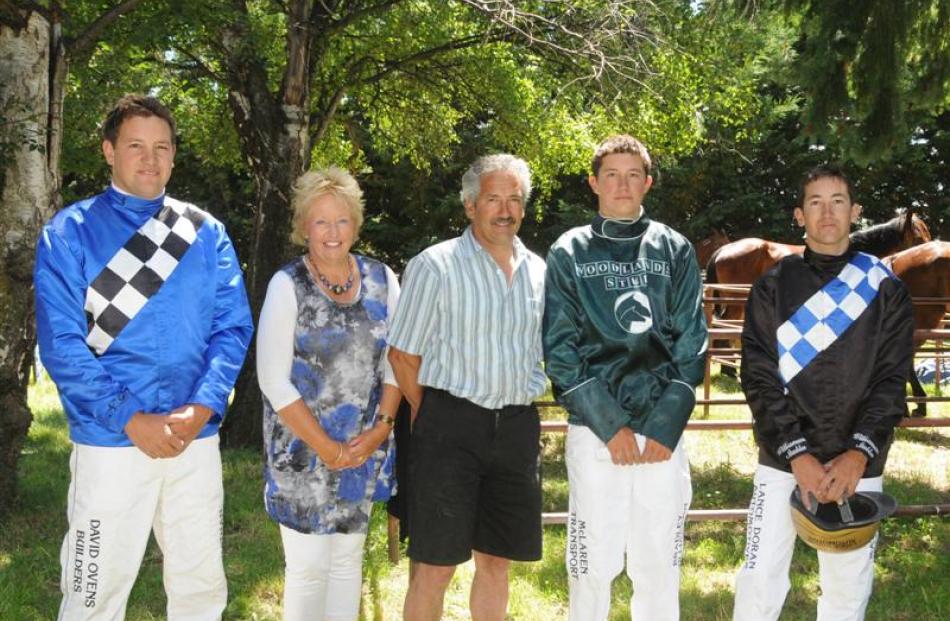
912	569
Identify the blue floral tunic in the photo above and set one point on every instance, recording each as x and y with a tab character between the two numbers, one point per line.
338	348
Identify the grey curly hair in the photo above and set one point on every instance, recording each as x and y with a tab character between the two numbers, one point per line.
472	179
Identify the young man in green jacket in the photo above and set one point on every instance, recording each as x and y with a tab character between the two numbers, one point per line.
624	344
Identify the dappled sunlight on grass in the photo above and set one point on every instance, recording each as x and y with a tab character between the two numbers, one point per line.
706	602
709	583
260	601
914	488
555	495
706	587
925	535
43	395
712	449
49	431
528	596
802	599
725	412
911	555
922	455
936	438
704	553
720	487
252	549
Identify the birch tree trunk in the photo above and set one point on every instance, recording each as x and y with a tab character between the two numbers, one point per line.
27	188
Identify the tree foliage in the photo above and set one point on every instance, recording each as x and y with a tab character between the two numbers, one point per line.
870	73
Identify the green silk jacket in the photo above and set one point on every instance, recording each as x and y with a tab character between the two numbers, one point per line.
624	329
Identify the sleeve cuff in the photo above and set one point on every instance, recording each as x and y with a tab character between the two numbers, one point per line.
667	419
120	410
863	443
216	418
278	395
596	407
210	401
389	376
791	449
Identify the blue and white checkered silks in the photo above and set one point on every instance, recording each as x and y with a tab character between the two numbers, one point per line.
828	313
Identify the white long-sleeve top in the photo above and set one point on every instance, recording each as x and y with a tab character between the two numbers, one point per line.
275	337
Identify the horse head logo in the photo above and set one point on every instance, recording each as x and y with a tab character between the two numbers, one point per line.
632	310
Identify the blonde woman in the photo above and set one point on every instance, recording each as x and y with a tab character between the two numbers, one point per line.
329	398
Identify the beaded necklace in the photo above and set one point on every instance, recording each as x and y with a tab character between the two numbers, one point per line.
333	288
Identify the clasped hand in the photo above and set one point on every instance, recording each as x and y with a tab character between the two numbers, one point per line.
354	453
167	435
624	450
832	481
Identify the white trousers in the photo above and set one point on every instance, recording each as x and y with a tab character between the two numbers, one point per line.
117	495
635	510
762	582
323	576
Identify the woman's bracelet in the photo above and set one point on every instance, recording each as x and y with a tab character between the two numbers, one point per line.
340	454
388	419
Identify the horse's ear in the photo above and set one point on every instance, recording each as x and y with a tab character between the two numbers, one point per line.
909	220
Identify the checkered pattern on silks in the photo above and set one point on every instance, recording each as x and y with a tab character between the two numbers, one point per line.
138	270
828	313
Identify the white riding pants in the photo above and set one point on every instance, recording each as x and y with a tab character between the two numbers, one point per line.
323	576
117	496
762	582
638	511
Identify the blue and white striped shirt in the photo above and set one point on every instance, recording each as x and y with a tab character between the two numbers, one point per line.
479	339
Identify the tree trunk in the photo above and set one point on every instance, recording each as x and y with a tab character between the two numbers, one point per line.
269	250
274	134
27	191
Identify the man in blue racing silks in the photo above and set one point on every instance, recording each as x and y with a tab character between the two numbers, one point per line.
143	324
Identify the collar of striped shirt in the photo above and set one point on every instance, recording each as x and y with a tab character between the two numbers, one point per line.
470	245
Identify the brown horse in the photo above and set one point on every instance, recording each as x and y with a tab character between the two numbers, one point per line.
708	245
925	271
742	262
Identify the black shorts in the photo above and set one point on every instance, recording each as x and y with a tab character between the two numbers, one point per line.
475	481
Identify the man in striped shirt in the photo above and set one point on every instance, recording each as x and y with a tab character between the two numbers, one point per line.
466	349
